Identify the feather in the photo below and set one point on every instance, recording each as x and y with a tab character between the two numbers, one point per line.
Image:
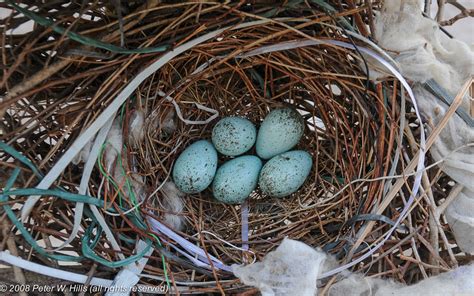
114	144
136	131
173	206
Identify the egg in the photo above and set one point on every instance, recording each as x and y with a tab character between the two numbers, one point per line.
233	136
285	173
195	168
280	131
236	179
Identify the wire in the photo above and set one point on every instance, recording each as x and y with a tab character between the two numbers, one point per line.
165	271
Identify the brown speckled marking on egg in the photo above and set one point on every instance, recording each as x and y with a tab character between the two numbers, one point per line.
284	174
236	179
233	136
280	131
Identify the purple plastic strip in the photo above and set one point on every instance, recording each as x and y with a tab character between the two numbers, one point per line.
192	248
245	225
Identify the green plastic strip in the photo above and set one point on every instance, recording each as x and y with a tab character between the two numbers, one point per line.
86	247
83	39
88	251
23	159
24	232
165	271
54	192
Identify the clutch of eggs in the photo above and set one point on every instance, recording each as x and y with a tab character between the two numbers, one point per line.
283	174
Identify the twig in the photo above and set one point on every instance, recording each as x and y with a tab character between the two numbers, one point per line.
461	15
11	245
90	275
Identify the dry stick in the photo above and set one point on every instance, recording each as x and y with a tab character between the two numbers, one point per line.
433	224
201	240
33	81
411	166
452	195
412	240
371	18
440	13
430	249
389	251
434	219
90	275
18	273
398	244
30	83
439	210
433	267
451	21
428	193
358	20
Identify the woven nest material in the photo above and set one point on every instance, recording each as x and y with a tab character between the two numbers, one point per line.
352	132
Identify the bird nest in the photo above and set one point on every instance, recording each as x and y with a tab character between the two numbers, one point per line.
56	89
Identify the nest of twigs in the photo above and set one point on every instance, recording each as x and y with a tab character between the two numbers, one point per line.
56	87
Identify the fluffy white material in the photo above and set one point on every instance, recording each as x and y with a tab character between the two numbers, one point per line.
424	53
291	269
173	206
461	219
168	126
135	129
83	156
137	183
421	49
114	143
453	283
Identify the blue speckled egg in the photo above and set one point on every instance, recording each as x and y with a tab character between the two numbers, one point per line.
236	179
280	131
234	135
195	168
285	173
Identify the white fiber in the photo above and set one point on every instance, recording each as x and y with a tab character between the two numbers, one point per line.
136	181
84	154
114	143
173	206
424	53
291	269
457	282
168	126
135	129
